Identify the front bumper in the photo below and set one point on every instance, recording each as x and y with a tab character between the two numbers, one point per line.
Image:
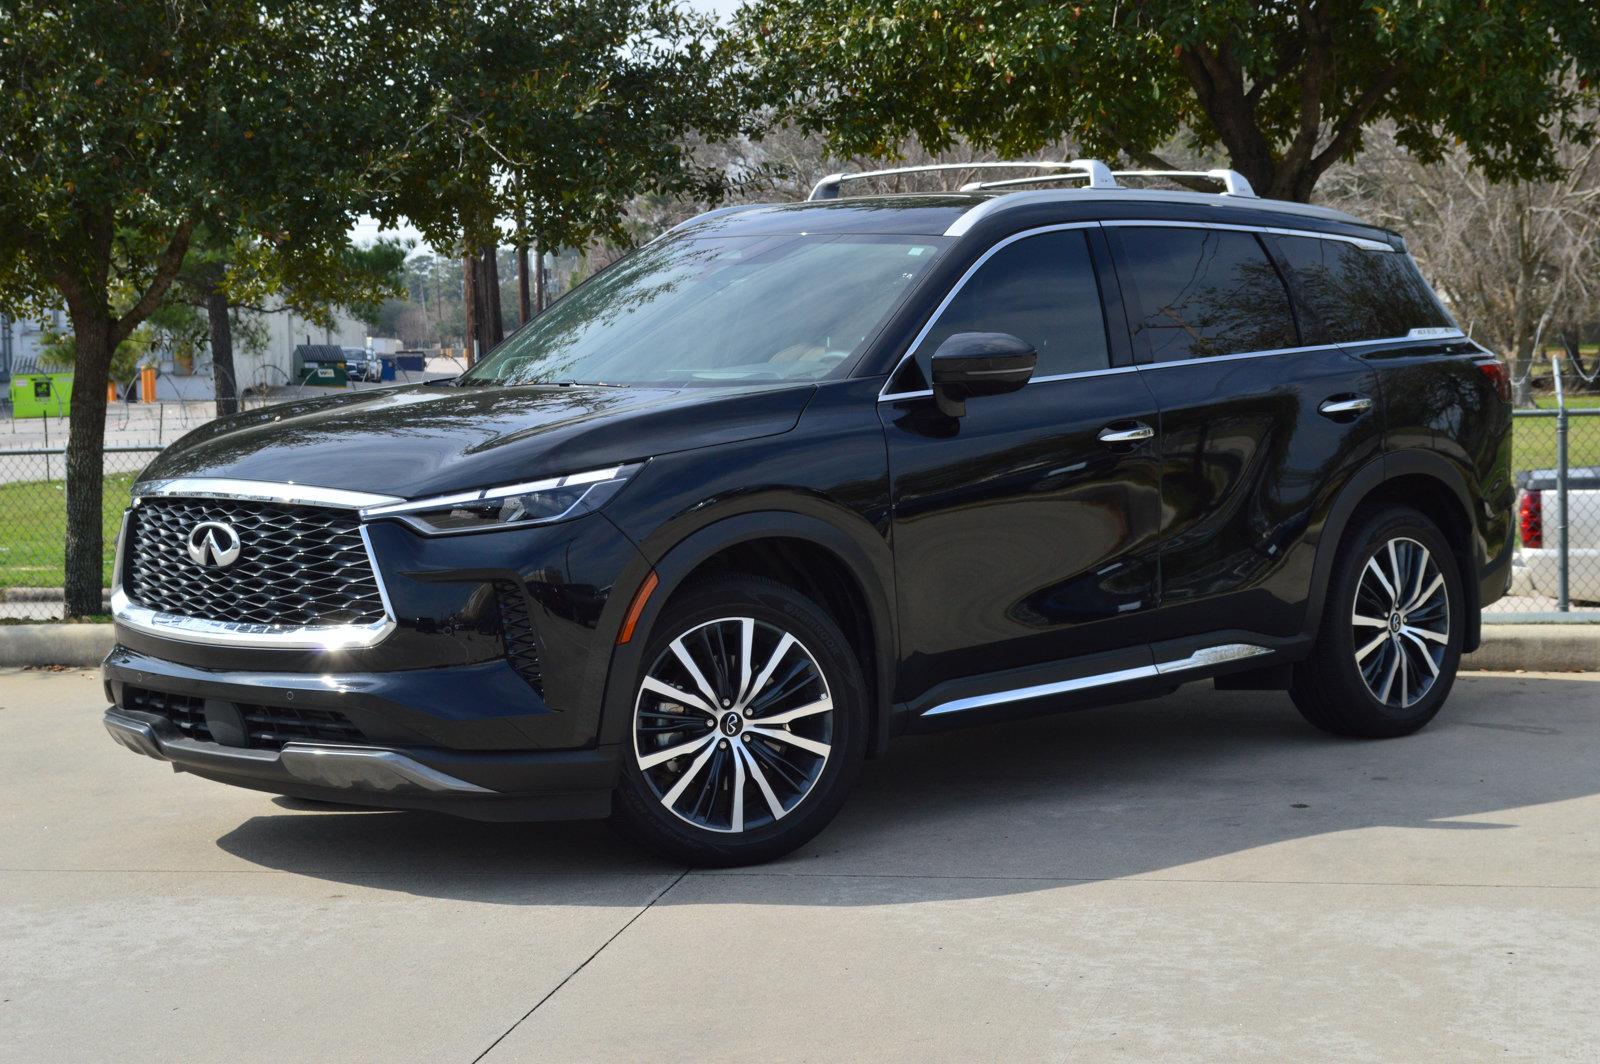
565	785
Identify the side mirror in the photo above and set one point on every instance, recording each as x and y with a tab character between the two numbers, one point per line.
971	364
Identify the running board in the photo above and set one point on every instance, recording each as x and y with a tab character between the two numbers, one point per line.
1200	659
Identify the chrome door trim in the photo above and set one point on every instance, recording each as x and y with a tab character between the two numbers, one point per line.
1202	658
926	392
1274	230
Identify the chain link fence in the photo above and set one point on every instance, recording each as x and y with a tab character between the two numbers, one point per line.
33	523
1555	457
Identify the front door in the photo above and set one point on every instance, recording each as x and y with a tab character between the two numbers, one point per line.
1020	537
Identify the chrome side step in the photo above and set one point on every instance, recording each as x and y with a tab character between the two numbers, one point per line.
1200	659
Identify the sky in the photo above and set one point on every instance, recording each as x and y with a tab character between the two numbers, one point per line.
367	230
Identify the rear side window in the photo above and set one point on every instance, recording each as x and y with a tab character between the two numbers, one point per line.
1199	293
1041	289
1348	293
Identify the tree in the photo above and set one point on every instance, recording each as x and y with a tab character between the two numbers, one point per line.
534	122
221	276
1285	89
128	125
1514	259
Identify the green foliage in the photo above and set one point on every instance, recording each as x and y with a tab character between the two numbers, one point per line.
547	116
1284	89
59	351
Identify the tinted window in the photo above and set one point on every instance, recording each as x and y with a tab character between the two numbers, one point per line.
1203	292
1347	293
1042	289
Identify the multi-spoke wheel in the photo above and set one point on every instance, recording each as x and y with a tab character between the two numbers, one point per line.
747	724
733	724
1401	619
1390	639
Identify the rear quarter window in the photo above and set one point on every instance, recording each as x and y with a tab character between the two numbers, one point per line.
1347	293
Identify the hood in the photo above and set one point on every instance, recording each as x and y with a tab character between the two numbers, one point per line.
424	440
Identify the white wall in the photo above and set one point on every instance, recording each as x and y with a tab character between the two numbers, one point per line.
286	330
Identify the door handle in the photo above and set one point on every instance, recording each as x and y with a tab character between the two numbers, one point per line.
1137	432
1349	404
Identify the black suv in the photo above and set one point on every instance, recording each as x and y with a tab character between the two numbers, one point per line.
792	480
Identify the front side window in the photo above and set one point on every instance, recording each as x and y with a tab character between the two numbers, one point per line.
1200	293
718	311
1041	289
1349	293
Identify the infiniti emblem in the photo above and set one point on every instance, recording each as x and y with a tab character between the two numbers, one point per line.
213	543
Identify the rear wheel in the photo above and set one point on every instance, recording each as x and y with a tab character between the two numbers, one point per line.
748	725
1390	640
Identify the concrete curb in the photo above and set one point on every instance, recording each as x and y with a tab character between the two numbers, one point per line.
1538	648
1506	647
54	644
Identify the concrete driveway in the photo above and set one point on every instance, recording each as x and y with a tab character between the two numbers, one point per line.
1197	878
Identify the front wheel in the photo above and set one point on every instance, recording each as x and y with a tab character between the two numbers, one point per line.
749	725
1389	643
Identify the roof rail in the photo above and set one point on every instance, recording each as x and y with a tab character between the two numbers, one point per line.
1095	171
1233	182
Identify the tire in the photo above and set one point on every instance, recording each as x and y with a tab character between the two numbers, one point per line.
1371	673
740	791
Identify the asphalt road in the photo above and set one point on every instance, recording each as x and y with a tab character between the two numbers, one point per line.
1197	878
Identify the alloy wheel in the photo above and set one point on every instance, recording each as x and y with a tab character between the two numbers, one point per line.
1401	621
733	724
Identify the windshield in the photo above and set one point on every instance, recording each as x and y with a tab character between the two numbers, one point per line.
723	310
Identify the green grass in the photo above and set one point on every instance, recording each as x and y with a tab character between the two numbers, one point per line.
1533	439
33	529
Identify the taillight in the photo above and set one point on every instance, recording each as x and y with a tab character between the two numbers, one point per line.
1530	519
1496	371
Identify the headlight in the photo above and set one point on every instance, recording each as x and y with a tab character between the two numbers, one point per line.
537	502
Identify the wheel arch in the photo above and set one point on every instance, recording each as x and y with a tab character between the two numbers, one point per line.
1422	480
848	578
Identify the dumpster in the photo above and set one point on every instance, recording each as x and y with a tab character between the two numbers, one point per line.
387	361
409	363
41	394
320	364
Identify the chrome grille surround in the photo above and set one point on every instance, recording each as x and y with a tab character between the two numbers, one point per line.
305	581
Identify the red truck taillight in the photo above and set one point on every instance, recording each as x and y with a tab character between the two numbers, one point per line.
1530	519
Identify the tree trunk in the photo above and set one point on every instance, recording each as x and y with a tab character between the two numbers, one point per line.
524	310
469	299
493	327
538	279
94	344
222	373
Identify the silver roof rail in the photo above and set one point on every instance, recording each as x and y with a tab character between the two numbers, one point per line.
1233	182
1093	170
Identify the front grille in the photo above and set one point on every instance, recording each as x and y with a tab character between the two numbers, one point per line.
185	711
272	726
297	565
268	727
516	628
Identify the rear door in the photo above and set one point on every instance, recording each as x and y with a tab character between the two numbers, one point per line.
1020	538
1259	429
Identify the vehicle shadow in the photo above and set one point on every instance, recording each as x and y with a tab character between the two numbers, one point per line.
1127	790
